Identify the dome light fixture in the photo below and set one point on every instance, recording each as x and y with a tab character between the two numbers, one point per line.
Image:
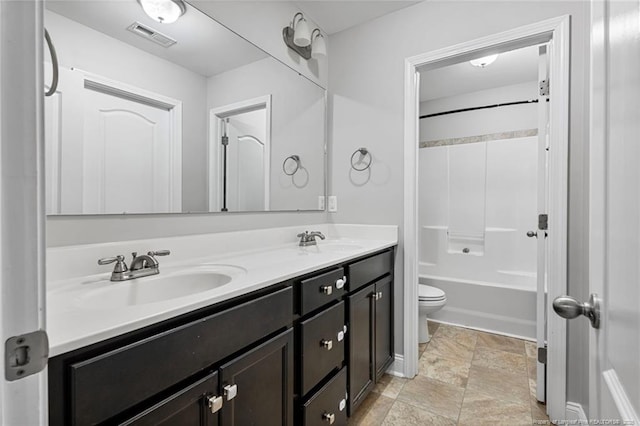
484	61
163	11
307	44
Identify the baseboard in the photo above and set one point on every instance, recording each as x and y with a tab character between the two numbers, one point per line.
397	368
575	413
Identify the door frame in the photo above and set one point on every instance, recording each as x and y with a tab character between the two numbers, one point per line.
557	32
215	151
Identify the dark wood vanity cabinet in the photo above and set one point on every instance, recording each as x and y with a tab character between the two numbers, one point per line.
370	322
303	352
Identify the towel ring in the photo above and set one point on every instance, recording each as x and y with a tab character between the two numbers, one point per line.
364	152
284	163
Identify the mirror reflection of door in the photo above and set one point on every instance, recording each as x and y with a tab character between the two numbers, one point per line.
240	181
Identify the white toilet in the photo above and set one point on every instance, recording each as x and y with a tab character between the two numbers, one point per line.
430	300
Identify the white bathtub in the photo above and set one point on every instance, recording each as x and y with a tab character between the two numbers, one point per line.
492	290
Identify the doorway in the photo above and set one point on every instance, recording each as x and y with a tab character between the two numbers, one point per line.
482	189
239	156
553	33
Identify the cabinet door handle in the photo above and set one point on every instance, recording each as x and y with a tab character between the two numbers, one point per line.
378	295
327	344
329	418
341	282
326	289
230	391
214	403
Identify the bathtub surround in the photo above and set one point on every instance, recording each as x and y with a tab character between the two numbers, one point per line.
516	134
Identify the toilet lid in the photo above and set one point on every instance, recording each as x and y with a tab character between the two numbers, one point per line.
426	292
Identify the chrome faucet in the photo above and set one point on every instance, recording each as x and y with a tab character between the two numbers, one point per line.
141	266
309	238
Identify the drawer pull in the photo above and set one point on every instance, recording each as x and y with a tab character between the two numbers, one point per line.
377	295
341	282
329	418
327	344
326	289
214	403
340	336
230	391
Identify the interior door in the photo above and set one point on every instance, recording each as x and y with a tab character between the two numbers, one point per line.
543	179
127	155
615	211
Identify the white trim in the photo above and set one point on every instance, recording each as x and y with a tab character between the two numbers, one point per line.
173	106
215	156
556	31
620	398
22	202
597	190
397	368
574	412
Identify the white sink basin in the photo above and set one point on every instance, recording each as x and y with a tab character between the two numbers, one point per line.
159	288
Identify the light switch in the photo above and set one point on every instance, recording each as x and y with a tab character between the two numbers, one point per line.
333	203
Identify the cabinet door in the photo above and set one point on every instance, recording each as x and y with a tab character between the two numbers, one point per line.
190	406
258	385
383	325
360	335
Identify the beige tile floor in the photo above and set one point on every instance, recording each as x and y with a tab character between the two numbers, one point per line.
465	377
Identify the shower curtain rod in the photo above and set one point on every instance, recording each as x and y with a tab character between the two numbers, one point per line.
454	111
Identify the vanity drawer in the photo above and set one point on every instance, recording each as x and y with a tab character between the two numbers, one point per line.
321	289
322	346
329	403
369	269
108	384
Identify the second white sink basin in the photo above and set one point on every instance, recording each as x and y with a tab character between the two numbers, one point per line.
159	288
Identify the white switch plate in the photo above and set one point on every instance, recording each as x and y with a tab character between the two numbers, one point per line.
333	203
321	199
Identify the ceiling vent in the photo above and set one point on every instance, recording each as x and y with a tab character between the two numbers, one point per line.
151	34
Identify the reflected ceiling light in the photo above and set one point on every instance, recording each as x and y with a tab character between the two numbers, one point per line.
163	11
483	62
302	41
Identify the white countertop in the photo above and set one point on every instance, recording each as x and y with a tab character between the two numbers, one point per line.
261	258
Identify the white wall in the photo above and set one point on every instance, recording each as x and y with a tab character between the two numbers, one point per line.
82	47
366	98
261	22
297	127
479	122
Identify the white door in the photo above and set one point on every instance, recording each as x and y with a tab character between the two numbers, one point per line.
127	156
543	179
614	273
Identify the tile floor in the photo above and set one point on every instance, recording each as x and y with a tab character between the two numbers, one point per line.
465	377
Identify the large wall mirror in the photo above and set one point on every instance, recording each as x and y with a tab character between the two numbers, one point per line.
153	117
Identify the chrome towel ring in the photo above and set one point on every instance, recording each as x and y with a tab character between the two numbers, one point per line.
54	63
294	158
364	153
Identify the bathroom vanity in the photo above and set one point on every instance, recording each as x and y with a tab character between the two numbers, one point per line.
295	341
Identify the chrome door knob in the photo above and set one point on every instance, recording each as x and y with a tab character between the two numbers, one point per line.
569	307
532	234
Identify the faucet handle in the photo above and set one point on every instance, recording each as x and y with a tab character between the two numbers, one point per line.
120	265
159	253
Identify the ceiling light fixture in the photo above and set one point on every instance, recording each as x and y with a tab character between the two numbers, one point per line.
305	43
163	11
484	61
